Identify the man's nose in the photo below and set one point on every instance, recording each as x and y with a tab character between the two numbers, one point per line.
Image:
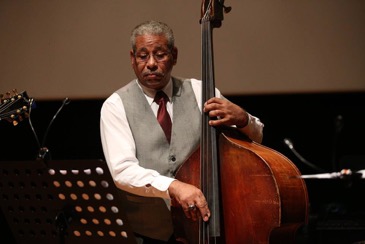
151	62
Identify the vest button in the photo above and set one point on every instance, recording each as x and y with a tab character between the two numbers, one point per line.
173	158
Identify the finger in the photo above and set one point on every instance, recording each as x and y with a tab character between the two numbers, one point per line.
192	212
219	122
215	100
195	214
204	211
214	113
211	105
187	213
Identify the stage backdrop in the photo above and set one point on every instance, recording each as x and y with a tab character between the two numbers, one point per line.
80	48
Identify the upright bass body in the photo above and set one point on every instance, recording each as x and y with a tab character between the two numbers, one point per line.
262	198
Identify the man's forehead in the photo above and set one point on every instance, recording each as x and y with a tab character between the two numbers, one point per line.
151	41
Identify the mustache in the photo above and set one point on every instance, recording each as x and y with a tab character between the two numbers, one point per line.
161	74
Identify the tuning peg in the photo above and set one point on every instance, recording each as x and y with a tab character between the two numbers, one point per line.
227	9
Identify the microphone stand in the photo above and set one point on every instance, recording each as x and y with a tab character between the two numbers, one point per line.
338	128
290	145
43	150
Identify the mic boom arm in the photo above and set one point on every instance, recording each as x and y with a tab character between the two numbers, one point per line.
290	145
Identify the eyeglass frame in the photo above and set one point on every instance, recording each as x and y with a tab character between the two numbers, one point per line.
159	56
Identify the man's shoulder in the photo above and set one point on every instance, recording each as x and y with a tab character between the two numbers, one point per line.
116	95
128	86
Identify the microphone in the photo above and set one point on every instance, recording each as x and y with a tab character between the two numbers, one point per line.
338	124
43	151
290	145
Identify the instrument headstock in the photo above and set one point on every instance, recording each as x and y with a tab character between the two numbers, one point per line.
14	107
212	10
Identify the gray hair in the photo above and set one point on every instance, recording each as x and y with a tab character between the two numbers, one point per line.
153	27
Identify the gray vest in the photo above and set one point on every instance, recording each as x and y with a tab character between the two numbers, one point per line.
150	216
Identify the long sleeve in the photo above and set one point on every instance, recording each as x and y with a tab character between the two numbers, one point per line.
120	153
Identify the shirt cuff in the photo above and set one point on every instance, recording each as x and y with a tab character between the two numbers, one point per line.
162	183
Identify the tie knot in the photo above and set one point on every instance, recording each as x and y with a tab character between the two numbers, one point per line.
161	96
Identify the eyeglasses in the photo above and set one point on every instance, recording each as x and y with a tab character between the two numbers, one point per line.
160	56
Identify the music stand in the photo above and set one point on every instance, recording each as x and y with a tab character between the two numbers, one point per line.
71	201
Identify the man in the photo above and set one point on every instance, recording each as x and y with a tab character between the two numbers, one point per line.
143	159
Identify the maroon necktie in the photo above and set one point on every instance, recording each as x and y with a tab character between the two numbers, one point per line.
163	116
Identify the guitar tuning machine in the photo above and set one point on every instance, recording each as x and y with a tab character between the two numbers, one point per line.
225	8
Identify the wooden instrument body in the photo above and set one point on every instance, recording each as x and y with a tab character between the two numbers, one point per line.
263	199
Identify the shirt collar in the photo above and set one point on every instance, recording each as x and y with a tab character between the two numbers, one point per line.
150	93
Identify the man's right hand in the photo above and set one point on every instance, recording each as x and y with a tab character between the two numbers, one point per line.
191	199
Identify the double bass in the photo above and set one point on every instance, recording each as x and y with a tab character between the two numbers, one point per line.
255	194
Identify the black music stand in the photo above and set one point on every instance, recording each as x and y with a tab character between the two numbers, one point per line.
63	202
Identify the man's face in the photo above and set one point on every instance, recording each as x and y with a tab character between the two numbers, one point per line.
153	61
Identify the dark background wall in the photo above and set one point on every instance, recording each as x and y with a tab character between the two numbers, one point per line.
309	120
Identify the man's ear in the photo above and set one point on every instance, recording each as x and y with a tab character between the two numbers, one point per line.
174	54
132	57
